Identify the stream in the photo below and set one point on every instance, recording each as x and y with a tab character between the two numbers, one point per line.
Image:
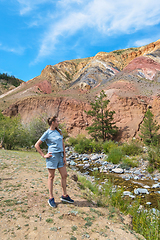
136	182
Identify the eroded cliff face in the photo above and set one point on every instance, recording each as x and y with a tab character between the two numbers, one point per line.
70	112
129	112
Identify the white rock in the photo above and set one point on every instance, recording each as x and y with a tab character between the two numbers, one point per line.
72	163
118	170
94	157
157	185
146	186
140	191
155	179
126	193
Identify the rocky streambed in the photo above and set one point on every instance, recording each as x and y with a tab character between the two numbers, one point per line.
136	182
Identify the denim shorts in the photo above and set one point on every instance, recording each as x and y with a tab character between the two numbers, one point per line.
56	161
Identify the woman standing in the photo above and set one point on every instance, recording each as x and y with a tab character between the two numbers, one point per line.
55	158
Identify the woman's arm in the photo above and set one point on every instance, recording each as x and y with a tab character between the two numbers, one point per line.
64	152
37	146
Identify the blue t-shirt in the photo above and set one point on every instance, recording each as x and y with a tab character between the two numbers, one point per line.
54	140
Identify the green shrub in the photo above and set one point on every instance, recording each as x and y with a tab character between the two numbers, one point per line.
132	149
62	126
108	145
154	157
115	155
96	146
72	141
49	220
129	162
83	146
150	169
12	132
145	222
36	128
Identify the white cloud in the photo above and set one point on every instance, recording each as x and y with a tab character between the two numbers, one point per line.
30	5
123	16
142	42
107	17
17	50
69	2
145	41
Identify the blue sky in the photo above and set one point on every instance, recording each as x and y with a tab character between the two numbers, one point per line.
36	33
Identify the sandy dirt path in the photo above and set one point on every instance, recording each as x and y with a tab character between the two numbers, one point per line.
25	213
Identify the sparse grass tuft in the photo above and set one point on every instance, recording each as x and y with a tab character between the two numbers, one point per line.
49	220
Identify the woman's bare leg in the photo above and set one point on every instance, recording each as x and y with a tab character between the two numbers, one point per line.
63	173
51	174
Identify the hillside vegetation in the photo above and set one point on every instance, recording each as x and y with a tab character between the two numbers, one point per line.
8	82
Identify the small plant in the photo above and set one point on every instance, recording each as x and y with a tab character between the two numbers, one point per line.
119	52
150	169
74	228
83	146
88	224
108	145
26	225
49	220
10	202
154	157
128	162
68	75
62	126
3	166
132	149
145	222
72	141
87	184
115	155
96	211
73	238
96	146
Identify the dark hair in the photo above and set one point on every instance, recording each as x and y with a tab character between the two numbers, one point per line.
53	119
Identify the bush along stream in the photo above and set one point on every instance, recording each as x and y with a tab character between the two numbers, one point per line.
136	182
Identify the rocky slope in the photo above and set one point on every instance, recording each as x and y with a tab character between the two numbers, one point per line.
130	78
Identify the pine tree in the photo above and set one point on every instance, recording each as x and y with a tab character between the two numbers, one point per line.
149	129
103	126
